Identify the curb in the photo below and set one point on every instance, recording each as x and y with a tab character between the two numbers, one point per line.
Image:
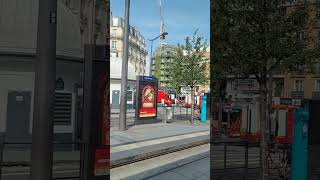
127	143
140	157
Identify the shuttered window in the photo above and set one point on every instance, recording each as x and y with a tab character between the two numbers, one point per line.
63	108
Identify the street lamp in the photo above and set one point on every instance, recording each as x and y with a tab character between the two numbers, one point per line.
124	72
161	35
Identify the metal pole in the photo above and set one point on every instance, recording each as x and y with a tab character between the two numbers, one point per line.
172	113
246	156
228	121
225	156
2	141
86	171
124	73
45	74
151	58
269	107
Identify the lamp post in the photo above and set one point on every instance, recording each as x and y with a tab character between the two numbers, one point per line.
151	40
124	72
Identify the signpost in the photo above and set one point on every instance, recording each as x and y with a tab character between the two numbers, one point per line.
146	100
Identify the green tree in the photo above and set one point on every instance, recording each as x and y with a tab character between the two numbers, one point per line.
189	67
259	38
157	67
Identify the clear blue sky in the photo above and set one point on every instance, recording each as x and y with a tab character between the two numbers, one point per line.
181	18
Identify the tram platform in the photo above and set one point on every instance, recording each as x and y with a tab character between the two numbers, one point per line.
144	140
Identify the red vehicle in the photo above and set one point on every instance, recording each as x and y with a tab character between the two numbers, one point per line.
164	97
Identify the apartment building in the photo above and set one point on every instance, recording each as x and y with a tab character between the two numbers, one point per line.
161	68
137	45
302	85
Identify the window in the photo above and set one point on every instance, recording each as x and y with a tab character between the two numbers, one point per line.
114	33
63	105
114	44
115	22
278	89
129	95
283	11
298	85
317	85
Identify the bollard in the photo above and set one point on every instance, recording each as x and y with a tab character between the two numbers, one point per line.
166	116
204	109
172	113
180	111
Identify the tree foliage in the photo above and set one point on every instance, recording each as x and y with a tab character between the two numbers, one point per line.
253	37
190	67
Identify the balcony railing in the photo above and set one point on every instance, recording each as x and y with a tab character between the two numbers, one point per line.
316	95
297	94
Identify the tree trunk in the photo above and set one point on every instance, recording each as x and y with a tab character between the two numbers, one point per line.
263	140
269	105
220	114
192	105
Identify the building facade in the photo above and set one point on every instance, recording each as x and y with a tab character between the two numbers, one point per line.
136	63
162	58
18	43
137	46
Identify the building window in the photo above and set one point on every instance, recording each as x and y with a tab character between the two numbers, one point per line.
283	11
298	85
114	45
114	33
278	89
317	85
115	22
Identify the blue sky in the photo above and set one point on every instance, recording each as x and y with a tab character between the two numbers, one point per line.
181	18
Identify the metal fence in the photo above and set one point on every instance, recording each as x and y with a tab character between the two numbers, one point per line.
234	160
19	165
240	160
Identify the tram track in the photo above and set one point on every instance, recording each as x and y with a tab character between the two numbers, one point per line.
161	163
158	153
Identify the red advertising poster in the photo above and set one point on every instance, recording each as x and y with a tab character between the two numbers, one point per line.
102	162
146	99
148	106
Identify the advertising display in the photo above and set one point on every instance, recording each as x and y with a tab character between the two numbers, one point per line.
100	114
146	99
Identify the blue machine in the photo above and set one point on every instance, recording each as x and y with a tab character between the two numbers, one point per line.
299	165
204	109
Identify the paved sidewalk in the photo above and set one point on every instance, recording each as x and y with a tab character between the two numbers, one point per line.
146	132
146	140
